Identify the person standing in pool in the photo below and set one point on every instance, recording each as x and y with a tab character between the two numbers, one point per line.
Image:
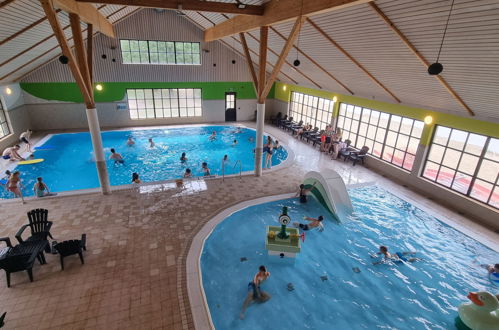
135	178
118	159
397	257
14	184
205	169
303	192
187	173
25	137
213	136
151	143
268	150
314	223
254	291
5	179
183	159
130	142
234	143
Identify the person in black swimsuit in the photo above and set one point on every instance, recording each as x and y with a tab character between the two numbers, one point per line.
314	223
303	192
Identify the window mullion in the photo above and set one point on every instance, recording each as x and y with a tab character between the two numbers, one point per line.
386	135
460	158
493	186
478	165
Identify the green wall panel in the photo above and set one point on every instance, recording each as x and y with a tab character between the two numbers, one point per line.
115	91
283	93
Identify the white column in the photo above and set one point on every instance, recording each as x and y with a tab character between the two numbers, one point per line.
260	119
100	161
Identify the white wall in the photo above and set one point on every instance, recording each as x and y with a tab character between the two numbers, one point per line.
17	115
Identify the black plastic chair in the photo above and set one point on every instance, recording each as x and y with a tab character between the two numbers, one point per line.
358	156
345	152
276	119
295	128
39	226
282	120
68	248
310	134
19	258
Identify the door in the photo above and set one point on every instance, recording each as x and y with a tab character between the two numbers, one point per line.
230	106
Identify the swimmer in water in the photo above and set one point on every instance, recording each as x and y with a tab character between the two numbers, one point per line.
187	173
397	257
492	269
118	159
251	139
303	192
151	143
226	159
135	178
314	223
213	136
130	142
234	143
183	159
205	169
254	291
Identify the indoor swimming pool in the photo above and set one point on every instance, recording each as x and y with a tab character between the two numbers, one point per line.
333	284
69	162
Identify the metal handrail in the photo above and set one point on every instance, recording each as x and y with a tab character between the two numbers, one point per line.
240	168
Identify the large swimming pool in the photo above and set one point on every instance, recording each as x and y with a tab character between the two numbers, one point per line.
328	293
69	162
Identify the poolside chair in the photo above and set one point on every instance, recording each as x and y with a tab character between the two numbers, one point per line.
316	139
282	120
310	134
345	152
275	120
286	123
295	128
357	156
68	248
39	226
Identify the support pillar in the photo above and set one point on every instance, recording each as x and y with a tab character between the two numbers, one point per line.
260	120
100	161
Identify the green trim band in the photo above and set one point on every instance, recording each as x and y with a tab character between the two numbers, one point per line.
115	91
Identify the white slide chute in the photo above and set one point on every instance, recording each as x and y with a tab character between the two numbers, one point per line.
330	191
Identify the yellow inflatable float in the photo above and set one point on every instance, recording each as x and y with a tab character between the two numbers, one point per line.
482	313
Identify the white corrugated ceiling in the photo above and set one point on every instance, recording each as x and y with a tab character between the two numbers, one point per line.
470	54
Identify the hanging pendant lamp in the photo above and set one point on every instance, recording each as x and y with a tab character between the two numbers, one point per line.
437	68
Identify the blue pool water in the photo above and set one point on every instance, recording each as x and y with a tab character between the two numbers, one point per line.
422	295
69	165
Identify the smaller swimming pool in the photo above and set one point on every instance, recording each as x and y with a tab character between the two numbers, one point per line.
69	163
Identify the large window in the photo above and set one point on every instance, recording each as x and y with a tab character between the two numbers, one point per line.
164	103
465	162
4	125
313	110
160	52
392	138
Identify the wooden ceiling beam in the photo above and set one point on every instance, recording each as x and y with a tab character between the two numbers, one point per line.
63	43
81	56
6	3
351	58
315	63
262	58
420	57
276	11
248	60
289	64
284	53
208	6
88	14
90	52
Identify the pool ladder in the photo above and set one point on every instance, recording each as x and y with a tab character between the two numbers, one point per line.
240	169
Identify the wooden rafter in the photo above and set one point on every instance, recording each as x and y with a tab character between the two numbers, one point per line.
88	14
211	6
351	58
314	62
284	53
276	11
53	58
63	43
81	55
5	3
419	56
289	64
90	52
262	58
248	60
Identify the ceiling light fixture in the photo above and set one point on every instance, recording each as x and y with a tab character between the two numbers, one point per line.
436	68
8	91
428	120
98	87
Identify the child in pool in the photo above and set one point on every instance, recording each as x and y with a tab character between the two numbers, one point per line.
397	257
254	291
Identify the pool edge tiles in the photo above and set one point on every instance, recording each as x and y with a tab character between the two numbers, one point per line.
288	161
197	298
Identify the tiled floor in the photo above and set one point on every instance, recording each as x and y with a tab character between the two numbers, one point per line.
137	241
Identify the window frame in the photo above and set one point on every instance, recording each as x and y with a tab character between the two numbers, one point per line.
307	108
5	129
457	168
157	53
174	109
347	115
